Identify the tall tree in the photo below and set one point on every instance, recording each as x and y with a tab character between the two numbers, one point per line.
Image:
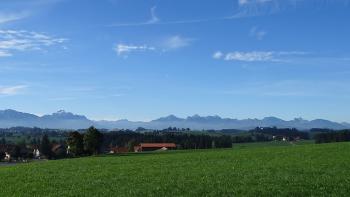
93	140
75	143
45	146
2	155
3	141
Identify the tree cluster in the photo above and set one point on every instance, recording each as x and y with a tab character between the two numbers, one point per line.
88	143
332	136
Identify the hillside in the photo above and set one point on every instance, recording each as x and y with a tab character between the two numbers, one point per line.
305	170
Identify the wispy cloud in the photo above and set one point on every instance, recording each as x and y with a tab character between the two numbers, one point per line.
125	49
5	54
251	8
14	10
155	20
9	17
257	56
167	44
12	41
257	33
218	55
11	90
177	41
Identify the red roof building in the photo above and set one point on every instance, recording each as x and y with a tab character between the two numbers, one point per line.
154	146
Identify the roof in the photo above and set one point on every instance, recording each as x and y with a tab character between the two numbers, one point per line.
56	147
158	145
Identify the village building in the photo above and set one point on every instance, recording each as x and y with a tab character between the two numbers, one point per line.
8	150
36	152
154	147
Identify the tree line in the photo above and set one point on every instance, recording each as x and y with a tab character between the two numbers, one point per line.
327	136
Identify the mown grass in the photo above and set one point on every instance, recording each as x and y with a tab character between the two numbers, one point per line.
307	170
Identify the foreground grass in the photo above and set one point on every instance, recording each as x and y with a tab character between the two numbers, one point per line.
308	170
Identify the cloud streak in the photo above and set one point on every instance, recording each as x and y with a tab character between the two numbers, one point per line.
257	56
175	42
124	49
11	90
167	44
9	17
12	41
257	33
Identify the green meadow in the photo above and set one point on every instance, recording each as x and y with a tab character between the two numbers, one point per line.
295	170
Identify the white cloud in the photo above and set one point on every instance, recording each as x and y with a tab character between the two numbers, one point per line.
175	42
257	56
257	33
246	2
12	41
123	49
11	90
242	2
5	54
9	17
167	44
250	56
154	18
218	55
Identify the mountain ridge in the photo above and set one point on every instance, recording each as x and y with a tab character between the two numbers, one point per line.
67	120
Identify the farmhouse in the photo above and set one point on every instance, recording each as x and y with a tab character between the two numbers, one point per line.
154	146
36	152
8	150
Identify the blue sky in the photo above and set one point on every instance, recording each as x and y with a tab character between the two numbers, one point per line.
112	59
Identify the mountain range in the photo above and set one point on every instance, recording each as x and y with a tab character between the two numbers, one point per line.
68	120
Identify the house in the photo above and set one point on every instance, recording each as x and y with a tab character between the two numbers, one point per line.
154	147
7	156
8	149
115	150
280	138
68	150
36	152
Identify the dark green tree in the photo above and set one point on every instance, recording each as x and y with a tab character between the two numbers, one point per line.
2	156
3	141
75	143
92	141
131	144
45	146
15	152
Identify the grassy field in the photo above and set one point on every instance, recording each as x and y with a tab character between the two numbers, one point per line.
271	144
301	170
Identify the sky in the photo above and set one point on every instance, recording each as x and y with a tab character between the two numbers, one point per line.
144	59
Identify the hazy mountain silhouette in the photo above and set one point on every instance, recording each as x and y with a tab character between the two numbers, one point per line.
68	120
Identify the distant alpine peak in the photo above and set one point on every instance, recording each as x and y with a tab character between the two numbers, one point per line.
169	118
272	118
62	112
